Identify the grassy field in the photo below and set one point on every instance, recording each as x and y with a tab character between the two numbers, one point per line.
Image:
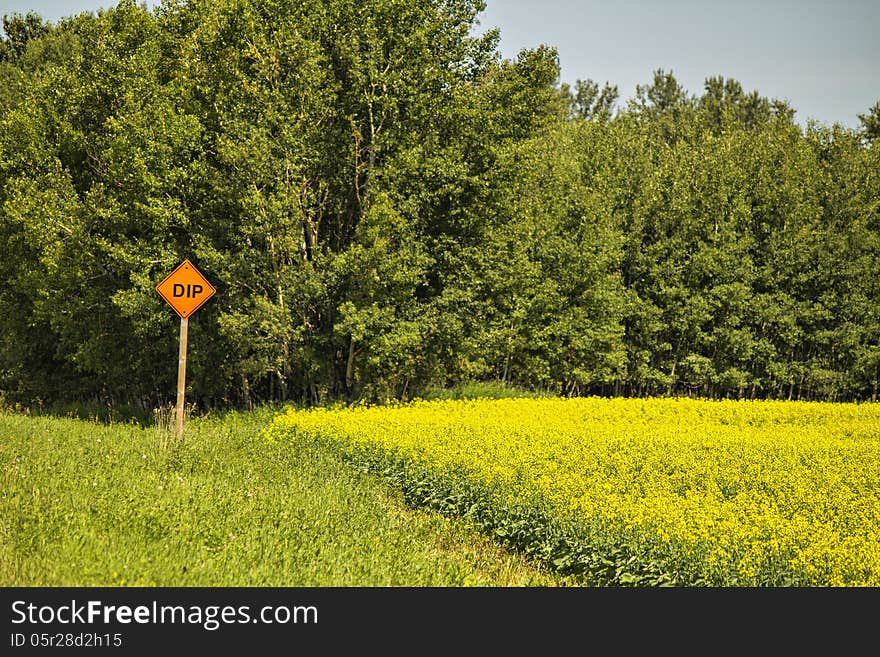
450	492
93	504
637	491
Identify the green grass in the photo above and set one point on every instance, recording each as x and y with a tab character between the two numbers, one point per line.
481	390
90	504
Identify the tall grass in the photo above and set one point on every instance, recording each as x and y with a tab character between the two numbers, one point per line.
84	503
481	390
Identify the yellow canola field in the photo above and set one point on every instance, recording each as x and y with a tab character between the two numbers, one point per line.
729	492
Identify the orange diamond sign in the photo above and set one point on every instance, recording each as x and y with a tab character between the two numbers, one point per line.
185	289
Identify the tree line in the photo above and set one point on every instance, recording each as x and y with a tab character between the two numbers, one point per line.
385	204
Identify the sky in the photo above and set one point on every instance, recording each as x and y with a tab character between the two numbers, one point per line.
823	57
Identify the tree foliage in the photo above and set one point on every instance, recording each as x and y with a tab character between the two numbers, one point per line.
384	204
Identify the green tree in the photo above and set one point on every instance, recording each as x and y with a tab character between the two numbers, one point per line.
590	102
18	31
870	122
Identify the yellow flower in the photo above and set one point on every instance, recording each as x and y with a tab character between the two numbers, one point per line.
759	491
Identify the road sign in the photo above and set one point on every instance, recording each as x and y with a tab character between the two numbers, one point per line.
185	289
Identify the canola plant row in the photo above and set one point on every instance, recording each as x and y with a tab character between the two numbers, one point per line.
638	491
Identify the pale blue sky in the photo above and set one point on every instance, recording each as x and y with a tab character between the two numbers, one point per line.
822	56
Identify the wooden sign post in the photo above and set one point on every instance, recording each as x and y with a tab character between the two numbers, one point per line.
181	377
185	290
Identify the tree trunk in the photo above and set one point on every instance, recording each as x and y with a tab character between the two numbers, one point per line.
349	365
